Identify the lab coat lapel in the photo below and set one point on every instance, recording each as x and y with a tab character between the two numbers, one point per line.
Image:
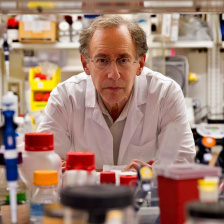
134	114
91	102
103	138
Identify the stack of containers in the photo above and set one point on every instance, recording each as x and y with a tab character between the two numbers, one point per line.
39	154
80	169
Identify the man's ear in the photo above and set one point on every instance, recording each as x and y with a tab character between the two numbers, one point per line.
85	65
141	64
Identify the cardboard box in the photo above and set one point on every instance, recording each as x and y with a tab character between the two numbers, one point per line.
37	31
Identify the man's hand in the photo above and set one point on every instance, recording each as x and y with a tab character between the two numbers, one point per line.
135	164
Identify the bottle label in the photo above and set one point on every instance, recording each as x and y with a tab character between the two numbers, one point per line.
21	198
36	210
22	214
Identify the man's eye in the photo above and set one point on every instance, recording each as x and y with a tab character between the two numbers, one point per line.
124	60
101	60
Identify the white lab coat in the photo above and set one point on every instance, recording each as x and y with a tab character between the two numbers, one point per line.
74	117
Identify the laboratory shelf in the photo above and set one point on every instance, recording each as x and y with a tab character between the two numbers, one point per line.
58	45
183	44
114	6
64	69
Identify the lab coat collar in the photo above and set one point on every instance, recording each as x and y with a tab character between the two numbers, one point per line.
91	96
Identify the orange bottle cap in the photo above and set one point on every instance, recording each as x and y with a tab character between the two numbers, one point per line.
45	177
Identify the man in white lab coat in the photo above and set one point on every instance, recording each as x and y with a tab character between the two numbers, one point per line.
117	108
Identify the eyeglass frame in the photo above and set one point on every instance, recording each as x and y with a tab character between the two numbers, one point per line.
110	61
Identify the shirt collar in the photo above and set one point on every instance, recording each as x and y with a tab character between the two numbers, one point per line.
124	112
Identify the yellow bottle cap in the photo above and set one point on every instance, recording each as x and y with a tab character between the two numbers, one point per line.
192	77
45	177
207	185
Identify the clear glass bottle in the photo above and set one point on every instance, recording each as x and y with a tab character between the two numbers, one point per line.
22	196
45	193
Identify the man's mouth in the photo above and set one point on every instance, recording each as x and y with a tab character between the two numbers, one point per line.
114	88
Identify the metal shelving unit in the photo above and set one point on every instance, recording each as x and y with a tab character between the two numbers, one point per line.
215	93
183	44
112	6
57	45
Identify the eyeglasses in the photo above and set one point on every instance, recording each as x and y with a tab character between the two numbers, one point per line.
103	63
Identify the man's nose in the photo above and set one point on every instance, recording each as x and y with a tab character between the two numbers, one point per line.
113	72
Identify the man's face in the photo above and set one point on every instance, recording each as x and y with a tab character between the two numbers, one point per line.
113	83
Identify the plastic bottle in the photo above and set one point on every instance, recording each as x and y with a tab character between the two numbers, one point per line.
63	32
22	196
39	155
208	190
13	99
107	177
77	27
27	123
80	169
128	180
13	30
45	193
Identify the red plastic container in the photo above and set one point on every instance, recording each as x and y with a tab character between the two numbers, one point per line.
177	186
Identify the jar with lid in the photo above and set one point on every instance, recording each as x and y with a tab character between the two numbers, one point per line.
107	177
45	193
39	154
80	169
206	213
94	204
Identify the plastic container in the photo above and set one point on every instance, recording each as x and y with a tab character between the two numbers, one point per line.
177	185
211	213
90	204
46	193
41	86
80	169
39	155
10	101
107	177
22	195
129	180
208	190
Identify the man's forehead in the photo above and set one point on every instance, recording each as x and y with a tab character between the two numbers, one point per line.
116	40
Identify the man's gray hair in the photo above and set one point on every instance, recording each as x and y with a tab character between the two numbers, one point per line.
137	33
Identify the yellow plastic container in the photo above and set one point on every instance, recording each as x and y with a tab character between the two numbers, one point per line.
36	105
44	85
41	86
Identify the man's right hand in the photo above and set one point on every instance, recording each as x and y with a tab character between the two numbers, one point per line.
135	164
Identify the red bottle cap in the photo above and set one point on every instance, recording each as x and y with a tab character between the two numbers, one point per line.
38	97
12	22
107	177
46	96
80	161
43	76
129	180
39	141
